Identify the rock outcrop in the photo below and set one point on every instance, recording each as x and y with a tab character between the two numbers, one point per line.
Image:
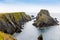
32	17
12	22
40	37
4	36
44	19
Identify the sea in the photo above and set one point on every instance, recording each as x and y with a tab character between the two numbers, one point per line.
30	32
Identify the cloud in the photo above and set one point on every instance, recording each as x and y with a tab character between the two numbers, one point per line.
28	8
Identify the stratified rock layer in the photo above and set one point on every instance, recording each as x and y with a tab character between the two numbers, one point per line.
44	19
12	22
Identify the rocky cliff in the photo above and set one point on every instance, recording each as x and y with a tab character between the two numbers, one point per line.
12	22
44	19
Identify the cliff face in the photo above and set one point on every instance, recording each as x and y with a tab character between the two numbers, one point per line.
4	36
44	19
12	22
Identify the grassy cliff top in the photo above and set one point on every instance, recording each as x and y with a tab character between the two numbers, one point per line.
16	15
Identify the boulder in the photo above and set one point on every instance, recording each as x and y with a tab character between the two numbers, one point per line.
40	37
44	19
32	17
12	22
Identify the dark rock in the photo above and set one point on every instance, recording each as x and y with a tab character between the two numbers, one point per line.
12	22
32	15
40	37
44	19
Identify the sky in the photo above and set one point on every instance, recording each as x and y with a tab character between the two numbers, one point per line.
29	5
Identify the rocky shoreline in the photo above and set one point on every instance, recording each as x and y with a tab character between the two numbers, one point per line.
12	22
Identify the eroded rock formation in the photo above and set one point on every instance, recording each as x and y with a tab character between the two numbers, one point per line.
12	22
44	19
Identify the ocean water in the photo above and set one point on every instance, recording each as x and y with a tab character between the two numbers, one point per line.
30	32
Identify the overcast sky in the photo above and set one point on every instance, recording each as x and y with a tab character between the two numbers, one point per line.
29	5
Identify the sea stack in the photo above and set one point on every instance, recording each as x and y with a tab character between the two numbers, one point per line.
43	19
40	37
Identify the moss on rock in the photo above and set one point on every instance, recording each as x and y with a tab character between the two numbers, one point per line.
12	22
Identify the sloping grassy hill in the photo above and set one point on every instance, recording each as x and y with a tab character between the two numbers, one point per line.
4	36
